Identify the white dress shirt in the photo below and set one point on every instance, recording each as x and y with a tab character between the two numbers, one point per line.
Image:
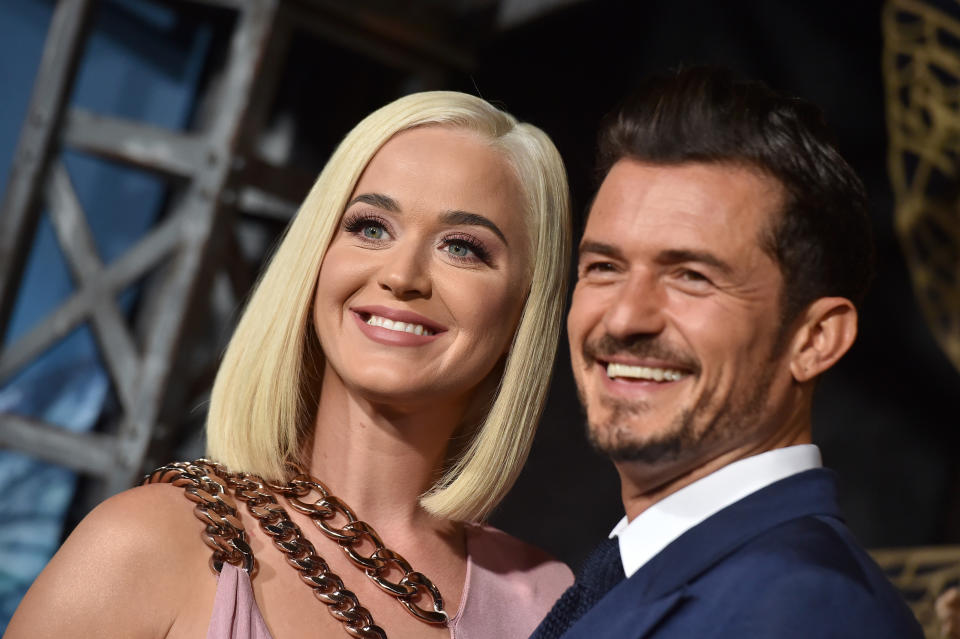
656	527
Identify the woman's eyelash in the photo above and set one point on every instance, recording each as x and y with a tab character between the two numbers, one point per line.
358	221
472	243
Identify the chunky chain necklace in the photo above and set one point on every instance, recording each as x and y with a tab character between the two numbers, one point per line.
209	485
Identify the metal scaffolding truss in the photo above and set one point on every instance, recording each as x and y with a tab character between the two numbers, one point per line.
194	242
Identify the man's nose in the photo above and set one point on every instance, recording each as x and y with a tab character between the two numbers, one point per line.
637	307
406	272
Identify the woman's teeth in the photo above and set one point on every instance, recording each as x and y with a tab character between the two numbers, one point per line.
401	327
643	372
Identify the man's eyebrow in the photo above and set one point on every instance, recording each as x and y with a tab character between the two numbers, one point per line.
472	219
676	256
378	200
589	246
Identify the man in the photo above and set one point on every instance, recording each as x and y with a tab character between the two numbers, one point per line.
720	271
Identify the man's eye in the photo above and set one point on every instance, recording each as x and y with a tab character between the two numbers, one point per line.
693	276
598	267
693	280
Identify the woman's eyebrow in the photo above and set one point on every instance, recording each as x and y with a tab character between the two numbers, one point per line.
463	217
378	200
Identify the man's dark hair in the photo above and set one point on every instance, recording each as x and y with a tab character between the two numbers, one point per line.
822	239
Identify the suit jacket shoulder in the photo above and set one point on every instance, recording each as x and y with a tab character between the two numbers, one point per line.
804	578
778	563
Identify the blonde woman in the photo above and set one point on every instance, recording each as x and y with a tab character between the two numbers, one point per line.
389	368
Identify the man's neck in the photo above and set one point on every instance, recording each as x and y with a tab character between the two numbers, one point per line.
666	521
643	485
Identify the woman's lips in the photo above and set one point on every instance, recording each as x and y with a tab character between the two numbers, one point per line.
396	327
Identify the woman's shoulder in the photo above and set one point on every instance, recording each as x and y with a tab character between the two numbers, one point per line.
121	571
502	552
511	585
501	556
149	524
145	527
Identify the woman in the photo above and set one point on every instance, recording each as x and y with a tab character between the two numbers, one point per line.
398	348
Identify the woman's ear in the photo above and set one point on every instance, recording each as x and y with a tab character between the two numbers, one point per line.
827	330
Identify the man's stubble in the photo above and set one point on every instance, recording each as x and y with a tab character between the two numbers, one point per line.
709	424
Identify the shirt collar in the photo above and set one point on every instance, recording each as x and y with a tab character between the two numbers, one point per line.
656	527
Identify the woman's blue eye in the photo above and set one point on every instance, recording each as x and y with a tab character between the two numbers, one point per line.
458	250
373	231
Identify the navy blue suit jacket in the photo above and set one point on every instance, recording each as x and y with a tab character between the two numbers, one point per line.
779	563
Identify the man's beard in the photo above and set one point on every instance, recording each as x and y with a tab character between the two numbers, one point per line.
707	424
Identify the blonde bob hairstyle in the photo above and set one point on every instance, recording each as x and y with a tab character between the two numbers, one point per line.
262	409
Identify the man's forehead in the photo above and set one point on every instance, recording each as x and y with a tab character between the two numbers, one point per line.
700	204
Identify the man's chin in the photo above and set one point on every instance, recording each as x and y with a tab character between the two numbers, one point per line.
622	446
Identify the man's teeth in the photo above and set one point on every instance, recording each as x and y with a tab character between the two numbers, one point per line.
643	372
402	327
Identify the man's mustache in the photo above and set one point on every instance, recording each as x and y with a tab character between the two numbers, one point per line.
640	346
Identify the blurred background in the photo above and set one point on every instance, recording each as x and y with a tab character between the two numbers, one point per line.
151	153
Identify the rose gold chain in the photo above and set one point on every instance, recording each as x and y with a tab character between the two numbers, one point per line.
223	531
379	562
203	482
206	482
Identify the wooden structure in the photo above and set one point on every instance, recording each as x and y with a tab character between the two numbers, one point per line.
922	574
217	180
921	68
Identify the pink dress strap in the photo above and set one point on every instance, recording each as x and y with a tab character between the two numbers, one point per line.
235	612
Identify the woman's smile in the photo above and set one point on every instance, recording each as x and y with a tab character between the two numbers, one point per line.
396	327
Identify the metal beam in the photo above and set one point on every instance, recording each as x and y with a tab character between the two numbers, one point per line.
285	182
256	203
408	45
76	239
124	271
19	212
91	453
168	306
141	145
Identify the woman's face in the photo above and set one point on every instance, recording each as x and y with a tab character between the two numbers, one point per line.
422	287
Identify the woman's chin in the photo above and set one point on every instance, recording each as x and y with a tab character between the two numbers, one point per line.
400	396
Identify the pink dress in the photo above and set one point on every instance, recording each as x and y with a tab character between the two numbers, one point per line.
510	586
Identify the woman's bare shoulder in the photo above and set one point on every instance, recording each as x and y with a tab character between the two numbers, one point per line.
121	572
497	552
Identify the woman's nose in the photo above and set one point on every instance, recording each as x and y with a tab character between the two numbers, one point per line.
406	272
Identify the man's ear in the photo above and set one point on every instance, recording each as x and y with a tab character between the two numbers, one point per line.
827	330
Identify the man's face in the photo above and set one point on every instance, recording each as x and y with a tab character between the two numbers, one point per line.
675	319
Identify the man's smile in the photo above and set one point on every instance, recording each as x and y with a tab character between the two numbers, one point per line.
644	373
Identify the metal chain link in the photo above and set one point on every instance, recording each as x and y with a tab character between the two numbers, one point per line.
223	531
301	554
203	481
379	562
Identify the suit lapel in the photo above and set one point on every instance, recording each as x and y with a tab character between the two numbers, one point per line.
655	591
810	493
